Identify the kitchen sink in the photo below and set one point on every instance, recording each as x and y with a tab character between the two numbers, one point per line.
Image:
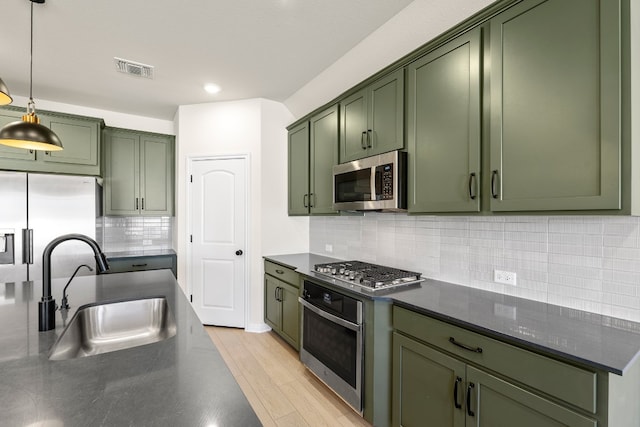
106	327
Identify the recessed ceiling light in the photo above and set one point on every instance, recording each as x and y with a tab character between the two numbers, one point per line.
212	88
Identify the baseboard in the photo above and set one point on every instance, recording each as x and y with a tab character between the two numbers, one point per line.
257	328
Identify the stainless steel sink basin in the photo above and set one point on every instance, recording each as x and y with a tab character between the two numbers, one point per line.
102	328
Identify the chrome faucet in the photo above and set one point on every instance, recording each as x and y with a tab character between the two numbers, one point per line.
47	306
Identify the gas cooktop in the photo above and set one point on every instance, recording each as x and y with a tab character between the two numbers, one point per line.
370	277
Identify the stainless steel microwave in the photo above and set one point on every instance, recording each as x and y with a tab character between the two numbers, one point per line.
373	183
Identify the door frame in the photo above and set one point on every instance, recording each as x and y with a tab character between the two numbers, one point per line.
189	226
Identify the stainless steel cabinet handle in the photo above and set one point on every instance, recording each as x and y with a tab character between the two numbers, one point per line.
280	271
310	198
453	341
304	200
472	187
494	180
136	203
369	138
27	246
362	143
143	203
139	265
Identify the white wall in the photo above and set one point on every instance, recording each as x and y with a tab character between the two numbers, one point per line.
111	118
255	127
408	30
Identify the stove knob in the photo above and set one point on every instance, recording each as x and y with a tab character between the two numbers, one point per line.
358	278
352	275
342	269
333	271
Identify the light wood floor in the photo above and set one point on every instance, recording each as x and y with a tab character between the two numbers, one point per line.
280	390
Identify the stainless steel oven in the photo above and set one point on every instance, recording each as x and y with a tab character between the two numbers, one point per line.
332	340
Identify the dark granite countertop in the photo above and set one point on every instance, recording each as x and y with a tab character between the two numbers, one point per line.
139	253
179	381
590	339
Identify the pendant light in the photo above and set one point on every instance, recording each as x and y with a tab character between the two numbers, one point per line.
5	98
29	133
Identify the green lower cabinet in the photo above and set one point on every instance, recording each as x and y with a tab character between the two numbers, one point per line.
431	388
498	403
424	383
281	309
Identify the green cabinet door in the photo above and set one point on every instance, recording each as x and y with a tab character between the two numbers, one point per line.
443	128
555	106
498	403
7	153
428	386
272	307
79	139
298	169
323	146
290	314
156	175
353	126
121	173
372	119
385	131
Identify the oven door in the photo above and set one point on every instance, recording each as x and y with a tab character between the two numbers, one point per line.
332	350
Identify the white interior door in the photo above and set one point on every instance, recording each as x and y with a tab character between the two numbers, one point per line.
218	232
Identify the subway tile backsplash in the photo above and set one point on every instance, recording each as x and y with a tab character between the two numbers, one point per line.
138	233
588	263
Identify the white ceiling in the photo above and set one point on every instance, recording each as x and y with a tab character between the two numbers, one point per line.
251	48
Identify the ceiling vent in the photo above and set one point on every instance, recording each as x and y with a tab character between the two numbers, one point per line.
133	68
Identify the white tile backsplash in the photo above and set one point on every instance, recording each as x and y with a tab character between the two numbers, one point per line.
137	233
583	262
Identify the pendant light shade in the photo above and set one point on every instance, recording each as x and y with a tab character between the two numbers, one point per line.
29	133
5	98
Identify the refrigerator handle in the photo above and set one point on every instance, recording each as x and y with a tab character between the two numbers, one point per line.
27	246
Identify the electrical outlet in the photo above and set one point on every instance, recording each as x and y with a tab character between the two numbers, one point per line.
328	248
504	277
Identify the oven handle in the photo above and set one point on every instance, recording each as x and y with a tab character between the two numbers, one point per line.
329	316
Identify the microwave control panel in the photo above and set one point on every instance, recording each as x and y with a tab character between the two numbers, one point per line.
385	192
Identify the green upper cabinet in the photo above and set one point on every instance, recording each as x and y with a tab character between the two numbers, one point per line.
372	119
443	127
80	138
313	151
298	168
138	173
555	106
323	130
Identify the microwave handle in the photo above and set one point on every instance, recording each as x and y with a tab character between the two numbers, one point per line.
375	183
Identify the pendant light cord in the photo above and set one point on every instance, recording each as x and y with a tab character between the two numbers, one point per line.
31	104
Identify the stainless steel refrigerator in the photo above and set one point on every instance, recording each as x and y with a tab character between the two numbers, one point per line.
36	208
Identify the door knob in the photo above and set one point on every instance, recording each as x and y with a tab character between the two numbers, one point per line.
239	252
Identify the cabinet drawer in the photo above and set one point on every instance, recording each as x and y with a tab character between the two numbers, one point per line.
121	265
283	273
569	383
